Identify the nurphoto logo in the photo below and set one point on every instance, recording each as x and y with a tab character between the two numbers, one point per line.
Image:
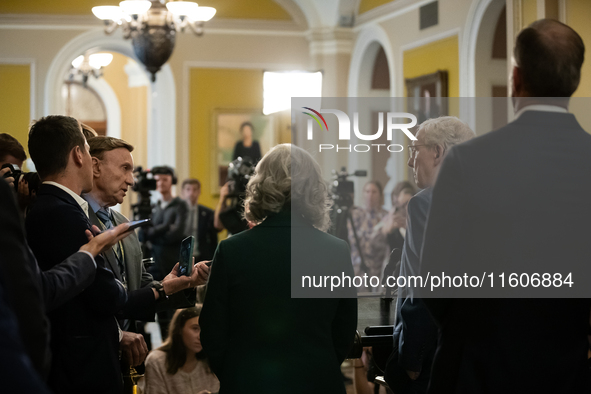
392	124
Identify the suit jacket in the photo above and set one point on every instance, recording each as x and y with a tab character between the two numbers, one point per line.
84	331
207	234
494	201
257	337
30	291
141	304
415	333
167	233
16	371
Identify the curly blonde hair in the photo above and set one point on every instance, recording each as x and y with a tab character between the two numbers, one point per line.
288	177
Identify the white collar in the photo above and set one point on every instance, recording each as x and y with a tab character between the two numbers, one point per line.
541	107
83	204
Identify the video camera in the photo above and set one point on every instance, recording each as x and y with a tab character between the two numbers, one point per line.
239	173
143	185
32	178
342	189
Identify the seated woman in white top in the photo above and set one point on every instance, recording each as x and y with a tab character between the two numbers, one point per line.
179	366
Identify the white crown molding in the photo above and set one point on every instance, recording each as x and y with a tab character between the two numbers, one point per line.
433	38
388	11
330	41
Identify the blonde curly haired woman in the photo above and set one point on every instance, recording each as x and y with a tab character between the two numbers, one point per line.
258	338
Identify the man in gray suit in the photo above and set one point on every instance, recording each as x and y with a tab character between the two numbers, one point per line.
415	334
112	177
516	200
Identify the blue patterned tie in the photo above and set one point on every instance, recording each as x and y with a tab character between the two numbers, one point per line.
104	215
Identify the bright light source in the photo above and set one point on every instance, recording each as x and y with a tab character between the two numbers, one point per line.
280	87
98	60
78	61
201	14
182	8
106	12
135	7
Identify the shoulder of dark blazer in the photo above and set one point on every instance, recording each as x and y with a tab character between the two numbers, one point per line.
203	209
284	224
174	203
52	201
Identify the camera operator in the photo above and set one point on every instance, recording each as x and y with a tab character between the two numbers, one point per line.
12	156
229	213
169	224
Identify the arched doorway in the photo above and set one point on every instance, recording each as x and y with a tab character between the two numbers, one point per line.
372	77
160	106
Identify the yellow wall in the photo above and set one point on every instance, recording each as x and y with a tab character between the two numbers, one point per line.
134	108
213	89
134	113
577	17
438	55
529	11
368	5
15	85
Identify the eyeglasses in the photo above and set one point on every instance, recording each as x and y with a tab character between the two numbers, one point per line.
413	148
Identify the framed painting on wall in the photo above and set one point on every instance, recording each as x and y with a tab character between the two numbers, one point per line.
426	95
427	99
245	133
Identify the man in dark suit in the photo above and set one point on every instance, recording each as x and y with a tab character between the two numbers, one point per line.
84	332
415	334
113	175
200	221
32	292
495	202
16	371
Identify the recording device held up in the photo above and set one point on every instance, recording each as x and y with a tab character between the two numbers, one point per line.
186	256
32	178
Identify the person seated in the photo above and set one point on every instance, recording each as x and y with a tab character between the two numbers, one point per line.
180	365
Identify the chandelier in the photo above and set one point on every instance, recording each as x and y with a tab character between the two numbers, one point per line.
89	65
152	26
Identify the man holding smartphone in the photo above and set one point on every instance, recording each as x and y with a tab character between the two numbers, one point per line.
112	176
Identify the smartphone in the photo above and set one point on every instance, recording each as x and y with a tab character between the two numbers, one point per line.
138	223
186	256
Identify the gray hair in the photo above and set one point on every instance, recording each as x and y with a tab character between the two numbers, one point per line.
288	177
445	131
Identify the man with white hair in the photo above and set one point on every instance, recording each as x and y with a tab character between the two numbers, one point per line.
415	334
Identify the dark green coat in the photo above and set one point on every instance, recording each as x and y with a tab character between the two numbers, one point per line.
259	339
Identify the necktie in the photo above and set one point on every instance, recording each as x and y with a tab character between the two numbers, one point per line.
104	215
